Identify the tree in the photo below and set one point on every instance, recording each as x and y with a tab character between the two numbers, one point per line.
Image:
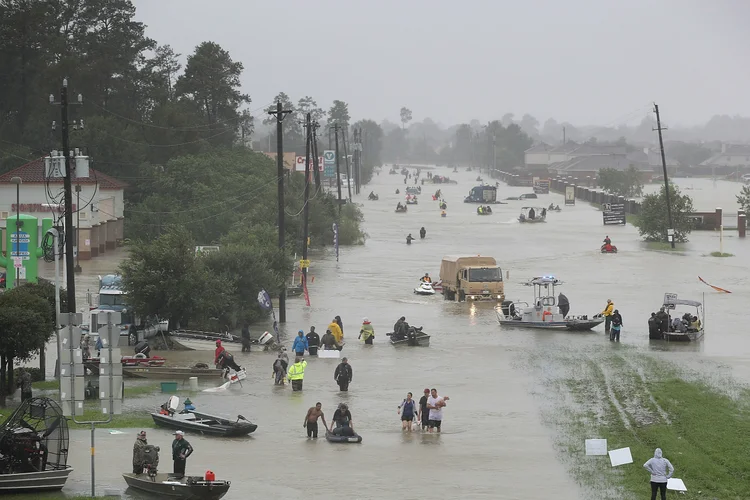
26	324
372	146
165	278
743	199
308	105
339	113
405	116
530	125
211	85
625	183
652	221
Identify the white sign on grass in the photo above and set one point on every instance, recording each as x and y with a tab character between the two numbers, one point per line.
620	457
676	484
596	447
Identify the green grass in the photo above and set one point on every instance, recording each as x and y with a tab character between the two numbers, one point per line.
141	390
126	420
721	254
638	402
45	385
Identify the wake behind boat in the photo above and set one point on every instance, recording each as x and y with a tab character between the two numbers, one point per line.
547	311
203	423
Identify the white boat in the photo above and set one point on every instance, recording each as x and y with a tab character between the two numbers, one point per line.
545	312
687	332
424	289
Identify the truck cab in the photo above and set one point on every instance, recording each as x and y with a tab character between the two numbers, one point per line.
472	278
482	194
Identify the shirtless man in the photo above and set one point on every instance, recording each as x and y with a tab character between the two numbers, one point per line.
311	420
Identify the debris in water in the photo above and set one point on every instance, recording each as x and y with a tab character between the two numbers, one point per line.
712	286
676	484
596	447
620	457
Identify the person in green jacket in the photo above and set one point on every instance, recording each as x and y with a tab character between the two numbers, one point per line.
181	449
296	373
367	332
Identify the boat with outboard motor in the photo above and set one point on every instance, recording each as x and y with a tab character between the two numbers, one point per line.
184	488
425	288
545	313
200	423
690	327
533	214
401	209
415	338
34	448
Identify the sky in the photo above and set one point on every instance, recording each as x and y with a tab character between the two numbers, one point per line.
588	62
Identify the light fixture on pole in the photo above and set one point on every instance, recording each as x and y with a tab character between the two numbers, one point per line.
17	181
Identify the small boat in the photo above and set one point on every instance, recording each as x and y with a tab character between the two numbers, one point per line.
690	333
169	372
201	423
545	313
424	289
533	215
438	286
421	339
411	200
185	488
528	196
34	448
401	210
414	190
333	438
203	341
484	212
608	249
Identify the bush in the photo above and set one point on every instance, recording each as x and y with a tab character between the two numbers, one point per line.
36	374
652	222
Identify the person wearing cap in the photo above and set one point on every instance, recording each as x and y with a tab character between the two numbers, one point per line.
138	447
181	449
607	313
296	373
336	330
300	344
424	412
313	341
367	332
343	375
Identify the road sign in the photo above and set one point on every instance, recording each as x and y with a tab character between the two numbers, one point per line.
17	262
20	245
613	213
329	164
304	263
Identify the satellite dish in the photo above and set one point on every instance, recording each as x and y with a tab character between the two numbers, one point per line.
173	403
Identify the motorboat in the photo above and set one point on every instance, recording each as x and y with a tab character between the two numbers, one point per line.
334	438
411	200
373	197
34	448
484	210
608	249
685	331
197	340
92	364
425	288
170	372
401	210
414	190
200	423
416	338
544	312
184	488
533	215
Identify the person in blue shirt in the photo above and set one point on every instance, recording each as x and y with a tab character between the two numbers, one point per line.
300	344
189	405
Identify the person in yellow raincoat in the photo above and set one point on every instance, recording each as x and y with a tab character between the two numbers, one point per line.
607	313
336	331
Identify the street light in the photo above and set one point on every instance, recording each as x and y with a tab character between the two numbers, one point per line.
17	181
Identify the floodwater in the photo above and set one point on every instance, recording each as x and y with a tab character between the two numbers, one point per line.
495	442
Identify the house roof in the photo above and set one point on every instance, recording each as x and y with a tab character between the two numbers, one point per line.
653	158
595	149
565	148
597	162
539	148
33	173
729	151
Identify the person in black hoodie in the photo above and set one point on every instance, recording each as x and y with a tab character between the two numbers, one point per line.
313	341
341	325
343	375
616	326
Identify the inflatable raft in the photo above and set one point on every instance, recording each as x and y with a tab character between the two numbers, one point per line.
333	438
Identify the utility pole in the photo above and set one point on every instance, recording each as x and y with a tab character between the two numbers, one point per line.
564	136
489	149
338	167
306	207
670	228
280	114
345	135
315	126
70	232
78	224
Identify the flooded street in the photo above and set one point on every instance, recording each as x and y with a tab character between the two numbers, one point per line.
496	441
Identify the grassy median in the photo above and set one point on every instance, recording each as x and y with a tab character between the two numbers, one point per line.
633	400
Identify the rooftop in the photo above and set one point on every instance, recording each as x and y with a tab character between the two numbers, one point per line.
539	148
597	162
565	148
33	173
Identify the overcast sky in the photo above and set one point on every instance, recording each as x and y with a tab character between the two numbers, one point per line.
583	61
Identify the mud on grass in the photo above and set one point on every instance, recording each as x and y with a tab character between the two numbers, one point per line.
635	401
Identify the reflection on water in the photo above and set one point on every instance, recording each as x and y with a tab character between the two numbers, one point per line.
493	433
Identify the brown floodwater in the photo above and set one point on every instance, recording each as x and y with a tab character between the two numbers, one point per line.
495	443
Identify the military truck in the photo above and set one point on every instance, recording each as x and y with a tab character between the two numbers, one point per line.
473	278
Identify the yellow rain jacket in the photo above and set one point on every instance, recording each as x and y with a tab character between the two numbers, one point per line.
608	310
336	331
297	371
367	331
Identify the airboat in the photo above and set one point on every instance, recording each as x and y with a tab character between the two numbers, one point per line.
34	448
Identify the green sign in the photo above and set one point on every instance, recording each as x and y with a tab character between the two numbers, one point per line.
329	164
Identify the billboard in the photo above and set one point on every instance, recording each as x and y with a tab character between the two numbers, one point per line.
329	164
613	214
300	163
